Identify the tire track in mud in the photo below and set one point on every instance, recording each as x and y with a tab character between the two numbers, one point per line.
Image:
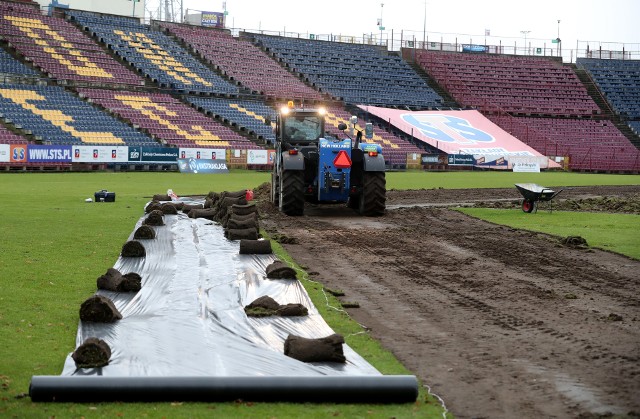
496	316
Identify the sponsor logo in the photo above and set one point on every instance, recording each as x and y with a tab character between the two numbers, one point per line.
114	154
95	153
448	129
49	154
19	154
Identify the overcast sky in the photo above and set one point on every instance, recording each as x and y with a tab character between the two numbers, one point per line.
584	20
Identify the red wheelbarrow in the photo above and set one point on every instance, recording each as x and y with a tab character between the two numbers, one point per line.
533	193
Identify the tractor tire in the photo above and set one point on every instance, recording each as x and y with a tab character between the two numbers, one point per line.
528	206
275	189
374	194
292	192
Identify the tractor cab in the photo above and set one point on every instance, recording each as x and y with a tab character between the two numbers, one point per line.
299	127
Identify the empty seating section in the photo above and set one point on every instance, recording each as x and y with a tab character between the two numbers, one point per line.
250	116
394	149
243	62
58	48
58	117
619	80
359	74
635	126
9	65
590	144
8	137
153	53
168	119
520	85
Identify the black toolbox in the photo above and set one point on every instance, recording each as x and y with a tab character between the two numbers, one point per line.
104	196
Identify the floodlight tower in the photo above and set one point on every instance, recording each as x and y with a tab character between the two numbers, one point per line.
381	27
525	33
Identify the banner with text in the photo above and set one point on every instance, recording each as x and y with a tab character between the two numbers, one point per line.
459	132
5	153
49	153
100	154
152	155
257	157
213	19
202	166
202	153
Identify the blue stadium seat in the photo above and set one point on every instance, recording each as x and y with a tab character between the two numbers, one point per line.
59	117
355	73
619	80
153	54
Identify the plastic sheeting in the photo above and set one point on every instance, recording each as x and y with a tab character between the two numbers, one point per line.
188	320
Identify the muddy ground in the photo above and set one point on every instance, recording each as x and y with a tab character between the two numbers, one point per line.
500	323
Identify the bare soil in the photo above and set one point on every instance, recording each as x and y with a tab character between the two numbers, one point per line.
499	322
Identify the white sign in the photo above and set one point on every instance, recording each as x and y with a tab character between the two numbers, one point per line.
202	153
100	154
5	153
525	164
257	157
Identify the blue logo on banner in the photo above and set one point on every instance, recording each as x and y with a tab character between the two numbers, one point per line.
474	48
447	129
202	166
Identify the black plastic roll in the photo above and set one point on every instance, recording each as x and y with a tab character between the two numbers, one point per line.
329	389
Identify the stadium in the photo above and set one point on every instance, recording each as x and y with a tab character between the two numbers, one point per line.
485	317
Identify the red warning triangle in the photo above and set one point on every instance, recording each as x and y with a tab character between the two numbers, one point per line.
342	160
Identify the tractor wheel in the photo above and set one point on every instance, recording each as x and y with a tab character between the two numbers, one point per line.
528	206
275	188
292	192
374	194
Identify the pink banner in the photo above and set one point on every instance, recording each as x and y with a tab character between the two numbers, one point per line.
456	132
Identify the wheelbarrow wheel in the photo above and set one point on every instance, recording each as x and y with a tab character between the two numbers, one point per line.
528	205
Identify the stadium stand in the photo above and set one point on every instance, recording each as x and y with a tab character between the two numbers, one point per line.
56	116
168	119
357	74
153	53
58	48
516	84
8	137
619	80
249	116
242	61
9	65
589	144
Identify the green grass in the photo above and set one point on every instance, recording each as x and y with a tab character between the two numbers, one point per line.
614	232
54	246
476	179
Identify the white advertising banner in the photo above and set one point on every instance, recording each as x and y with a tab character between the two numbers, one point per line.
257	157
100	154
5	153
526	164
202	153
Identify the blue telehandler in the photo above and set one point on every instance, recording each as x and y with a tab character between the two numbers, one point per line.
312	167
